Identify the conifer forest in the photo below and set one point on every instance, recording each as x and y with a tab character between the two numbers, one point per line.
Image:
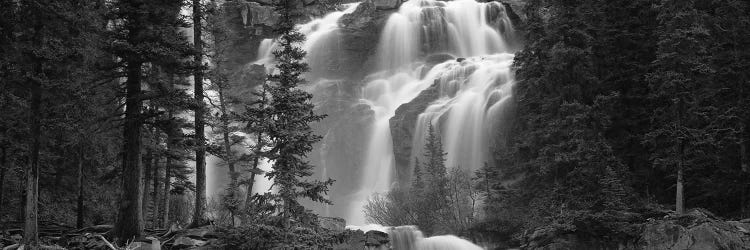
375	124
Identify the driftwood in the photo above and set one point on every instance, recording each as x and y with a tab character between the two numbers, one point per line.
11	247
66	236
100	237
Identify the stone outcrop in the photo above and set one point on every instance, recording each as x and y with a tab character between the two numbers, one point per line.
697	229
402	126
358	240
360	33
255	14
387	4
334	224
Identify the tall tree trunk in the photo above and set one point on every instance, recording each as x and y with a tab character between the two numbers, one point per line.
21	210
155	194
256	160
679	196
229	157
256	154
3	167
744	166
743	148
165	198
129	222
146	181
79	209
31	229
200	150
167	171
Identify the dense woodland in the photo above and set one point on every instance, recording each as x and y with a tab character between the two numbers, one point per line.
631	106
628	105
102	118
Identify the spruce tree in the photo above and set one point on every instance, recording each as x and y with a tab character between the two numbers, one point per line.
434	197
677	87
146	33
417	182
435	165
289	116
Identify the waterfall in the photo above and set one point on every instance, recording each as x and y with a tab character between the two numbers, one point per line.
472	76
410	238
472	89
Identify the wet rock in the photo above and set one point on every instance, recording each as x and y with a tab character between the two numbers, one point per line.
354	240
253	13
435	59
344	145
402	130
332	223
387	4
376	239
360	33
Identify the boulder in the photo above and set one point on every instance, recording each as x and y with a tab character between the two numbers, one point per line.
253	13
374	238
695	230
333	223
387	4
353	240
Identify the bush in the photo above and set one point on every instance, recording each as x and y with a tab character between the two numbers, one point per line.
264	236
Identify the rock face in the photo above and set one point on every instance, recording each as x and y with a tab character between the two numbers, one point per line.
332	223
339	154
695	230
358	240
376	239
387	4
402	130
360	32
253	13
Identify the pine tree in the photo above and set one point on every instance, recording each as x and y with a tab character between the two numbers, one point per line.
146	33
435	166
433	200
677	86
199	213
417	182
291	113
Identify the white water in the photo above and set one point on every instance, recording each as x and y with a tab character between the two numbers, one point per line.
410	238
473	91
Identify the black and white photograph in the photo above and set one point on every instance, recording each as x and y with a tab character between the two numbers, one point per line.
375	124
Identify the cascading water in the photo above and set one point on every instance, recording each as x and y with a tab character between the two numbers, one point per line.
473	89
410	238
472	76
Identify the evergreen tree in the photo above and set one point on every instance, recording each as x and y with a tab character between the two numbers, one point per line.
677	86
226	121
433	200
435	156
417	184
145	33
289	131
199	213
